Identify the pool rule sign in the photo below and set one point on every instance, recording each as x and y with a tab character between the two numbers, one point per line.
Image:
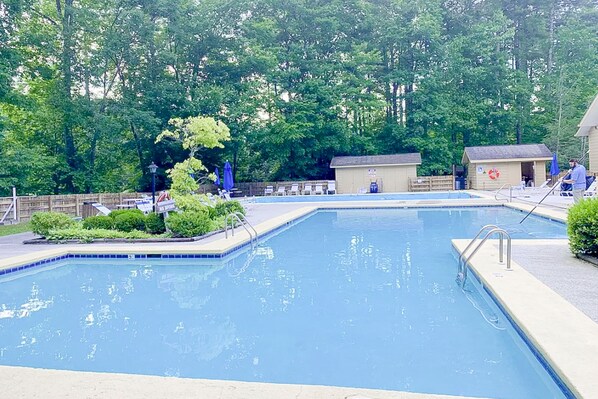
165	206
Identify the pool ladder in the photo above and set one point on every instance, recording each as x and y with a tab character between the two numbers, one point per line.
490	230
239	217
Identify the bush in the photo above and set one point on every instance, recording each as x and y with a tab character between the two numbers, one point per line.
130	221
189	224
582	227
98	222
226	207
89	235
43	222
154	224
119	212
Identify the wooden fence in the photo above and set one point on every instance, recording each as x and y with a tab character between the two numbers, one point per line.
71	204
431	183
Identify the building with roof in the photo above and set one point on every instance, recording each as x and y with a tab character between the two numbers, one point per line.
491	167
588	127
390	172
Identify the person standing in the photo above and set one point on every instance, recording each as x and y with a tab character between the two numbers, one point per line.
577	179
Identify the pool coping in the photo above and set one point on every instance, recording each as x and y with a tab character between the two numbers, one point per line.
224	247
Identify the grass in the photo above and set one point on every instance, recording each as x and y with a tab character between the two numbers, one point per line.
14	229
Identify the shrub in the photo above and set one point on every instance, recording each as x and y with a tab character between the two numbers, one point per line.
98	222
189	224
43	222
119	212
129	222
582	227
226	207
154	224
89	235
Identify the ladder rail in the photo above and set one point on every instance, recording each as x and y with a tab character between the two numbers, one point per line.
497	193
462	276
486	227
243	222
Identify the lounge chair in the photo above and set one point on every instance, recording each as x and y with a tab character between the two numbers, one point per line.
319	189
307	189
281	190
331	188
225	195
294	189
591	191
269	190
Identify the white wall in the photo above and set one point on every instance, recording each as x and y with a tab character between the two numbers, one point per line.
391	179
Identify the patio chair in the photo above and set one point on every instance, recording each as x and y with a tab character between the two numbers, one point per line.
591	191
269	190
281	190
319	189
331	188
307	189
294	189
225	195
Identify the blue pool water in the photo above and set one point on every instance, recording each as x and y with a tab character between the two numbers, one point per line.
364	197
356	298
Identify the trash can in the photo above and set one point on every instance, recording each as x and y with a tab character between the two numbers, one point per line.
373	187
459	183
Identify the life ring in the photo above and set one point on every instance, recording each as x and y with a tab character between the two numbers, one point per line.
493	173
164	196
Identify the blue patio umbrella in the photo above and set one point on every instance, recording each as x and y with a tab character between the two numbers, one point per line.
217	181
554	166
228	177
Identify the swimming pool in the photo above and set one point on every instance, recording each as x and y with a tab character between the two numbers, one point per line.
367	300
364	197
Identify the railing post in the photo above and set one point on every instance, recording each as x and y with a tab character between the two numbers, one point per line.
500	247
14	203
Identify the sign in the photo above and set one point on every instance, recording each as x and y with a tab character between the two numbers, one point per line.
165	206
479	169
372	172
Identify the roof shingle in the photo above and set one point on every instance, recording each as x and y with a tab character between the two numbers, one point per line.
373	160
521	151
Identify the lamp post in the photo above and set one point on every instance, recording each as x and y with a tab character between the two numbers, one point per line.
153	168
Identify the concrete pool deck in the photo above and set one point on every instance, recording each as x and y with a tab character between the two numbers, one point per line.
564	280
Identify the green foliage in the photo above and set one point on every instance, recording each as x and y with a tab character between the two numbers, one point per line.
129	221
189	224
118	212
226	207
86	235
196	203
154	224
197	132
582	227
43	222
98	222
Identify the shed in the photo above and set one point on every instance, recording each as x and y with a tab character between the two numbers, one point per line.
391	172
588	127
491	167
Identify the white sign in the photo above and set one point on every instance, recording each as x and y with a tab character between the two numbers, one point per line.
480	169
165	206
372	172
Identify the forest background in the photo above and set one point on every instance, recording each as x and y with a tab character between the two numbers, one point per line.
87	86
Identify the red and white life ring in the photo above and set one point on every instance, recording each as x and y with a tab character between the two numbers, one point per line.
164	196
493	174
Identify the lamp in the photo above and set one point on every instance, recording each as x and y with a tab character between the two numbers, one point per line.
153	168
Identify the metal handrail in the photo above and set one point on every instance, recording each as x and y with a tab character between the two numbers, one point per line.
510	192
243	222
486	227
462	274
